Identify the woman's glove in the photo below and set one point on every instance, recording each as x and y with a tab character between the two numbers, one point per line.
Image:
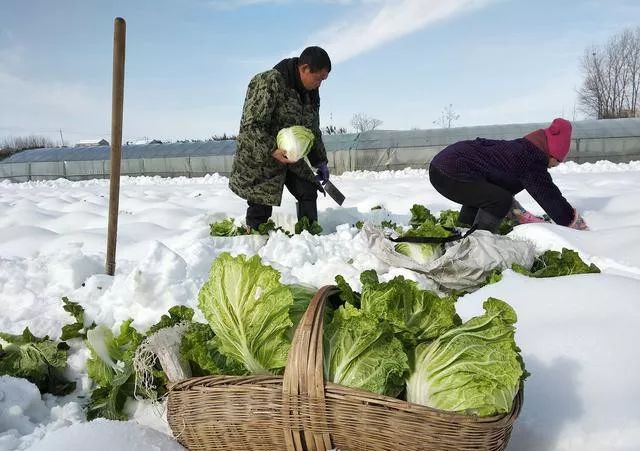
578	223
529	218
322	175
518	214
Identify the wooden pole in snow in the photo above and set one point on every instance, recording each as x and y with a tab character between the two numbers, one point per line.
117	100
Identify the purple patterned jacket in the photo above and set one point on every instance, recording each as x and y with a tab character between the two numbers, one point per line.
513	165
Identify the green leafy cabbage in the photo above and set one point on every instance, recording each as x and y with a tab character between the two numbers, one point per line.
312	227
474	368
346	293
448	218
554	264
199	347
361	352
111	369
416	315
78	328
248	309
296	141
225	227
419	215
39	360
423	224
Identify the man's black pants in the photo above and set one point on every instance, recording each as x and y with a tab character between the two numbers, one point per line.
305	192
473	195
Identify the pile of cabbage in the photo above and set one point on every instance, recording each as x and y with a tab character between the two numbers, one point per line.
391	338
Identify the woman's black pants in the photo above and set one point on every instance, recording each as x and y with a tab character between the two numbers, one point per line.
483	203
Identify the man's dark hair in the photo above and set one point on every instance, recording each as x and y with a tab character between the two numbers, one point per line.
317	59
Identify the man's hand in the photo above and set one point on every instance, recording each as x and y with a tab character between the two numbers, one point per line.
322	175
281	156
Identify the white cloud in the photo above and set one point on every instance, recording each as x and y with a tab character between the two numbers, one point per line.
391	20
374	23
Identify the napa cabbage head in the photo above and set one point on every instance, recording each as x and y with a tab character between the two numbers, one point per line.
360	351
296	141
248	309
474	368
416	315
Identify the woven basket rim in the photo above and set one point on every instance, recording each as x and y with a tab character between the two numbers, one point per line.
212	384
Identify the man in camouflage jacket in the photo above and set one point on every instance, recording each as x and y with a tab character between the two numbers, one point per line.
284	96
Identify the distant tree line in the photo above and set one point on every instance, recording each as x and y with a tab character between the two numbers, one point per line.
11	145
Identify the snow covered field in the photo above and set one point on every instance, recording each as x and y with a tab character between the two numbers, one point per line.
577	333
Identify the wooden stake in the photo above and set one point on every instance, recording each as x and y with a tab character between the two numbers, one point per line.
117	100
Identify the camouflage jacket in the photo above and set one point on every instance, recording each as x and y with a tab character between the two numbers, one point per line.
269	106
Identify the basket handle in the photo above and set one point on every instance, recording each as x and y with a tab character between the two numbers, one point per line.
304	377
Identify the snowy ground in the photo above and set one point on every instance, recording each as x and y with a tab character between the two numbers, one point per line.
577	333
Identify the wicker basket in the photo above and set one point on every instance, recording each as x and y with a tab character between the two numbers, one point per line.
298	411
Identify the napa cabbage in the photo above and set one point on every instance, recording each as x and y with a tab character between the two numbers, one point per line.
474	368
248	309
296	141
360	351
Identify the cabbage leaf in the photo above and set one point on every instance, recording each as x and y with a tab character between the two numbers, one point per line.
248	309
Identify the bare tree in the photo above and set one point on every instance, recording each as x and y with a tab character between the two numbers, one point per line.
447	117
611	83
362	123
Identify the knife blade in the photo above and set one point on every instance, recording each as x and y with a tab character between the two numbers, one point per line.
333	192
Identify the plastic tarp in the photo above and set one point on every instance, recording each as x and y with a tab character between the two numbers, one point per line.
465	264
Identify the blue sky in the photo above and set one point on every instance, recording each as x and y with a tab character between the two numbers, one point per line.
188	62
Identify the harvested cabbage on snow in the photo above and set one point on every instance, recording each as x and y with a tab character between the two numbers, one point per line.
39	360
555	264
422	253
423	224
224	227
248	309
361	352
296	141
111	369
474	368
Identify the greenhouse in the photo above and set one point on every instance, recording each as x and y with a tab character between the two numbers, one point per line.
616	140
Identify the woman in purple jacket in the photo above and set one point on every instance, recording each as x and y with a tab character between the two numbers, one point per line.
484	174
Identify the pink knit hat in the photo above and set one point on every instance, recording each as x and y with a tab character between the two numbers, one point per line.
558	136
